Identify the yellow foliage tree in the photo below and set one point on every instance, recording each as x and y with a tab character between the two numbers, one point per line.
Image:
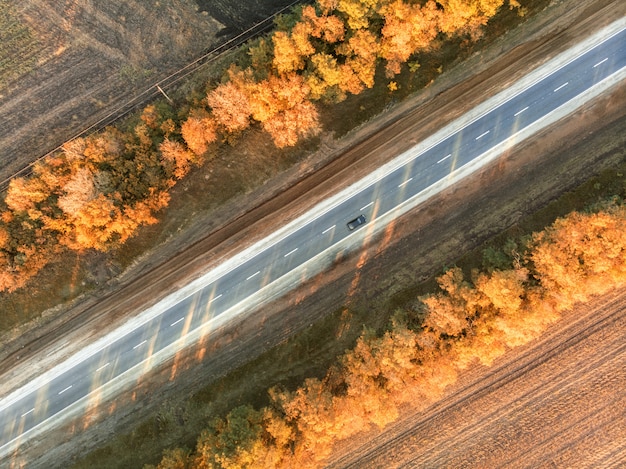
467	16
229	103
408	28
581	255
198	133
327	27
359	13
288	126
289	54
178	156
361	51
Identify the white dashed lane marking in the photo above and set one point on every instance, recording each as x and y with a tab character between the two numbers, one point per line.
405	182
254	274
601	62
290	252
139	344
520	111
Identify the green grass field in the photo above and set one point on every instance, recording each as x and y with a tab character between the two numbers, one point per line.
20	49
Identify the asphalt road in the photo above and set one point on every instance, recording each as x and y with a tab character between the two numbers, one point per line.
21	413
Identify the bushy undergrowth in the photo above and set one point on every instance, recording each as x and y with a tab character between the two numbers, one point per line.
98	191
521	291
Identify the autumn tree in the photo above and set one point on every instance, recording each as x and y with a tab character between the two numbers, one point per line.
290	52
198	131
327	27
504	289
77	192
359	13
408	28
466	16
229	102
178	156
288	126
281	105
361	52
581	254
450	311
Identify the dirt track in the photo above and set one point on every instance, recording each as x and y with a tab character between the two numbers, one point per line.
557	402
98	56
451	213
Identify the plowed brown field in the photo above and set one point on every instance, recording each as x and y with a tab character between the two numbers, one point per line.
558	402
453	222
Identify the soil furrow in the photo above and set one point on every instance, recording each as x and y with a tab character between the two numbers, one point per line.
572	333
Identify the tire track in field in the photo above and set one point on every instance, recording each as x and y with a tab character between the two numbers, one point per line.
511	404
574	331
547	390
537	428
596	429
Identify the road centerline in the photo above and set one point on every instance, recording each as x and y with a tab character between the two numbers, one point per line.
103	366
562	86
140	344
216	298
520	111
405	182
601	62
177	321
254	275
290	252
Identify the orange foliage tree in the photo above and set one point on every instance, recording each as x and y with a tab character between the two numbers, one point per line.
198	133
408	28
465	322
229	102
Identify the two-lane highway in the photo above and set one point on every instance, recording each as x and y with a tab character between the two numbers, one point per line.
23	411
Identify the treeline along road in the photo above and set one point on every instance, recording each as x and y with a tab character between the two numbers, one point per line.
99	61
552	402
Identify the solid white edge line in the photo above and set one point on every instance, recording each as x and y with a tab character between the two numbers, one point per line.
66	389
482	135
200	327
538	79
520	111
139	344
328	229
26	413
368	205
254	274
405	182
177	321
562	86
444	158
4	403
601	62
290	252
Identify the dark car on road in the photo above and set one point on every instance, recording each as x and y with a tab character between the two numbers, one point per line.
358	221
